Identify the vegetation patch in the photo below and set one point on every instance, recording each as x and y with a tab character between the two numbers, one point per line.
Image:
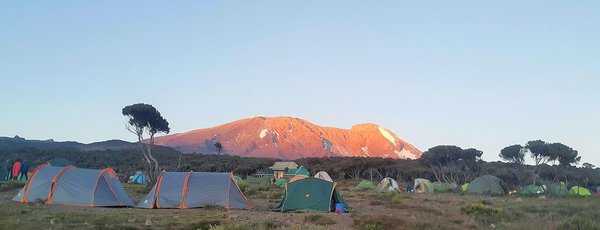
480	209
204	224
11	185
268	225
377	222
319	219
579	224
392	198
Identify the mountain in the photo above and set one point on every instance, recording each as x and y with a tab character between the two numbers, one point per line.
292	138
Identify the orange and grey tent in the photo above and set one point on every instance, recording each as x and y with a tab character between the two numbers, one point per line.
74	186
195	190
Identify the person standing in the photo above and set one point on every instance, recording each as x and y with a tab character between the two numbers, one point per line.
16	169
24	170
7	170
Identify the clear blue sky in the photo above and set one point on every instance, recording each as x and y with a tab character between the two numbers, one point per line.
482	74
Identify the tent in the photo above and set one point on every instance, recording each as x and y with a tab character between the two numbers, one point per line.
195	190
558	190
74	186
280	182
423	186
138	178
463	188
364	185
531	190
388	185
297	171
487	184
443	187
579	191
309	195
323	176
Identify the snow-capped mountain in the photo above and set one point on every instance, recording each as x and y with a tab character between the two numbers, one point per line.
291	138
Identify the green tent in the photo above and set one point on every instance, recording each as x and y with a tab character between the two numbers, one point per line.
299	171
487	184
364	185
280	182
579	191
531	190
443	187
464	187
309	195
558	190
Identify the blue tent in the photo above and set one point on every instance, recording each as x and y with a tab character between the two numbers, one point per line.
74	186
138	178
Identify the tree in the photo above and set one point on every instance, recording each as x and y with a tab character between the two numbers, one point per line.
513	154
588	165
219	147
452	164
565	155
145	119
541	154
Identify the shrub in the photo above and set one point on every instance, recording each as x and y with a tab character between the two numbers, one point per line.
480	209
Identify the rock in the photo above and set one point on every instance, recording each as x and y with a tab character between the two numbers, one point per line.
519	199
148	222
542	197
131	220
53	221
234	217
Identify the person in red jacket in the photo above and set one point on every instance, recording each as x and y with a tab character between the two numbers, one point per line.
16	169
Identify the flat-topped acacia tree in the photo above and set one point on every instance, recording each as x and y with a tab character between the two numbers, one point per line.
145	119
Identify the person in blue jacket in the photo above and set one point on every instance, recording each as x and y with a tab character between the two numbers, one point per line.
24	170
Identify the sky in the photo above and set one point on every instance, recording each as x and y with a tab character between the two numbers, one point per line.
480	74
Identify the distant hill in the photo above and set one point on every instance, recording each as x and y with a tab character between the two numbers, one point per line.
292	138
15	143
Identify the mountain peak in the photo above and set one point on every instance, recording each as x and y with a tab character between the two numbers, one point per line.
292	138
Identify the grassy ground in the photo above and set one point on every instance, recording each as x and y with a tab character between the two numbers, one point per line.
369	211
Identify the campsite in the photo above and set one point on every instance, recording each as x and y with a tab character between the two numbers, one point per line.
208	191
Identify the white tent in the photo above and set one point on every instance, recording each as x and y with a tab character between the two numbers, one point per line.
423	186
323	176
387	185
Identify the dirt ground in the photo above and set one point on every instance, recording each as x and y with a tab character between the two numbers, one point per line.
369	210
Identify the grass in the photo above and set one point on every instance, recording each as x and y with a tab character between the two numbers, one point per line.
579	224
372	222
319	219
372	211
267	225
11	185
392	198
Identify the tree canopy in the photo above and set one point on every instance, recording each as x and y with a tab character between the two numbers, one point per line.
513	154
